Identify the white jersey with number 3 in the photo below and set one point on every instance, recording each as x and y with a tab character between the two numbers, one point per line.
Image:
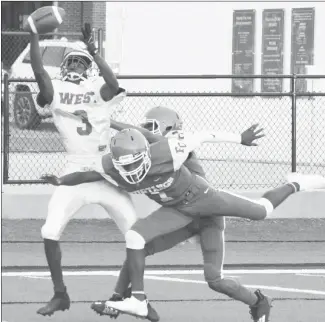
82	117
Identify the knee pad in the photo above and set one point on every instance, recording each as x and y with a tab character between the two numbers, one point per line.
134	240
267	205
50	232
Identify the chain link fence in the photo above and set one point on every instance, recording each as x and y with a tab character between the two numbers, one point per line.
294	125
13	43
294	128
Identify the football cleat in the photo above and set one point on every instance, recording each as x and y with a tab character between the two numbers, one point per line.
59	302
307	181
130	306
100	308
260	312
152	313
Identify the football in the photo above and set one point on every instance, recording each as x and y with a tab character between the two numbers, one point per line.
44	20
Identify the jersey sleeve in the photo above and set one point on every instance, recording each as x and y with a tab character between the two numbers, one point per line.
168	155
182	144
179	151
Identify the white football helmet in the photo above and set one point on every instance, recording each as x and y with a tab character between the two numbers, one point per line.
77	66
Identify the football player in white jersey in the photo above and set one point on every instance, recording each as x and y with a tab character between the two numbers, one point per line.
81	110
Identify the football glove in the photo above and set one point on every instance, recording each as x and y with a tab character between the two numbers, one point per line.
88	39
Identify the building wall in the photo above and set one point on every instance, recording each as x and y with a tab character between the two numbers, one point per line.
193	37
164	38
73	19
77	13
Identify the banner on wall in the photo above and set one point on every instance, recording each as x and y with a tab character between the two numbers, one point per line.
243	50
302	42
272	49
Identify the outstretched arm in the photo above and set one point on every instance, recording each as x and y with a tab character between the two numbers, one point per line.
111	87
248	137
73	179
180	147
43	79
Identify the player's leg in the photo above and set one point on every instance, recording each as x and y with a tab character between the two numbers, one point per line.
225	203
247	208
64	203
213	249
120	207
160	222
117	203
157	245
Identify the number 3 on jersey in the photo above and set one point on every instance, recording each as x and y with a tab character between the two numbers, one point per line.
87	128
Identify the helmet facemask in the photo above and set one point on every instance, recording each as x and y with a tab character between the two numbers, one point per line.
152	125
162	120
156	127
133	168
75	68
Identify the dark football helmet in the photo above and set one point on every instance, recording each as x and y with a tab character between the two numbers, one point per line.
131	155
161	120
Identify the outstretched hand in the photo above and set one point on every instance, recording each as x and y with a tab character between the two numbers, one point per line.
52	179
88	39
249	136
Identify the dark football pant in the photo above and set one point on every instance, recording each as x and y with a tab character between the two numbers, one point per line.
201	203
211	233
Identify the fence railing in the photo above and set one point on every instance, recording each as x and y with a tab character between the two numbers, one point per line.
293	122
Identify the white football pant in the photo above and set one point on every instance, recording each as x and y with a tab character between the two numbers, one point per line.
67	200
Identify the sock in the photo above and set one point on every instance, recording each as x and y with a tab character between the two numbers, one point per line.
123	281
136	265
53	256
235	290
278	195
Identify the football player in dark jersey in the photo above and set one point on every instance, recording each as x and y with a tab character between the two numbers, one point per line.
157	170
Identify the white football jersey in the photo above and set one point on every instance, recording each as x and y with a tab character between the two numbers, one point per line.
82	117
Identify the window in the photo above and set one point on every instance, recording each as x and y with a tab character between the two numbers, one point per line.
26	60
53	56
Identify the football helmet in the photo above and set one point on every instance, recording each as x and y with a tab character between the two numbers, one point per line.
161	120
76	66
131	155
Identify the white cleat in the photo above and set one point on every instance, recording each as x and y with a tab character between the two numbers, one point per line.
130	305
307	181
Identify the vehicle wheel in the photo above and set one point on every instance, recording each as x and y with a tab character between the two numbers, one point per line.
25	113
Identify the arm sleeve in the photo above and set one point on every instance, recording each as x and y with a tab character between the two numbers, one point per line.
187	142
218	137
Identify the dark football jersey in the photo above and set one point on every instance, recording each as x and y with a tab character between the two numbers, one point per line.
168	179
193	164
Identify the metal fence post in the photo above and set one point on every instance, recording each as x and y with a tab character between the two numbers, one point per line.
293	124
6	133
100	38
